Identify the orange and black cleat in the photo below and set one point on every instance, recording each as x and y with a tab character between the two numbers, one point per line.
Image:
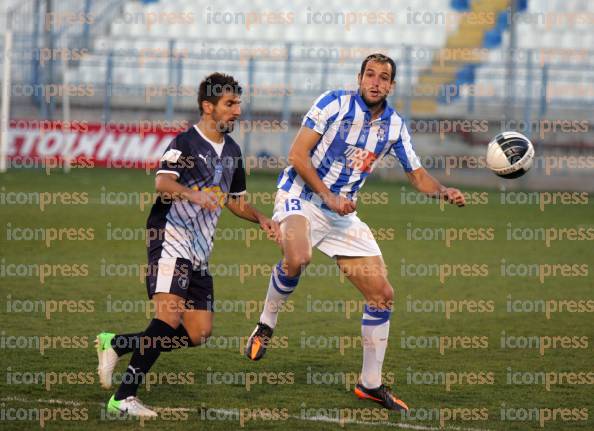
381	395
258	342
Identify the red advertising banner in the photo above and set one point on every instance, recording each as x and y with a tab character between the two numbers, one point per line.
136	145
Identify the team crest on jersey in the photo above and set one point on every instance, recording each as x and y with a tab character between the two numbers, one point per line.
359	158
381	133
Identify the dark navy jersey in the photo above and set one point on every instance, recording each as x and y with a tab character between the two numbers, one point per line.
179	228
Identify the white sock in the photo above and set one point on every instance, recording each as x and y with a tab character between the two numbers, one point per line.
375	328
279	289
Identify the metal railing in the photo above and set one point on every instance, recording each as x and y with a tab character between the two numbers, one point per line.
300	71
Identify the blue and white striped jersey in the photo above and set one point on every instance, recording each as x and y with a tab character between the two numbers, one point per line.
351	144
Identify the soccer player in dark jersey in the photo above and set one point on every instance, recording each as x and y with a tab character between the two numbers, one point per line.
200	171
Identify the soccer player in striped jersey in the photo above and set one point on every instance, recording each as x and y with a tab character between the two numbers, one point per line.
343	137
201	171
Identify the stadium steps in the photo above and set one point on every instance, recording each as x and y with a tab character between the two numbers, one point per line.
462	47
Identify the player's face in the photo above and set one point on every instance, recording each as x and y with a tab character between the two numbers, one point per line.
226	112
375	84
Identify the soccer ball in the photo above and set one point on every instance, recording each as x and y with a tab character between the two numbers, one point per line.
510	155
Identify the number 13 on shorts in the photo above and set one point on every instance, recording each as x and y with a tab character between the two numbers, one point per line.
292	205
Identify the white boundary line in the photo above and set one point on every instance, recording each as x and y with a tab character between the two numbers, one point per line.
232	412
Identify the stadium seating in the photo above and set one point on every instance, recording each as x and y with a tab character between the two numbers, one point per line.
130	35
326	49
545	27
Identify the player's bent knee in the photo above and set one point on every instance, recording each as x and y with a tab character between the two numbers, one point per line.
168	308
388	294
172	320
382	297
200	337
297	262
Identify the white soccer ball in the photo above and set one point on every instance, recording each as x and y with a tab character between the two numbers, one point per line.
510	155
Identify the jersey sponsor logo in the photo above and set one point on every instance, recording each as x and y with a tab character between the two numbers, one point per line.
218	192
171	156
359	158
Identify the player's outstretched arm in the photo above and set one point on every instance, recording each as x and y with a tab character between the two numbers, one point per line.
299	158
425	183
242	209
168	187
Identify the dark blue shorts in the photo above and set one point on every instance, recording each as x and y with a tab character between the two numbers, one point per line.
176	276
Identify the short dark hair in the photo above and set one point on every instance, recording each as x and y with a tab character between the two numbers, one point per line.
380	58
214	86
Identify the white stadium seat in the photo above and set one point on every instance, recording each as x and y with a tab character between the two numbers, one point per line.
198	37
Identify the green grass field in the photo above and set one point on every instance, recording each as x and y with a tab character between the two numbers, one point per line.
478	394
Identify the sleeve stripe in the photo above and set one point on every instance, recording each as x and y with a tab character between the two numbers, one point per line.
413	160
326	107
401	154
405	152
325	99
332	108
309	123
238	193
165	171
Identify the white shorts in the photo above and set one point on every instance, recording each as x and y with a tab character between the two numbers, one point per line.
331	233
